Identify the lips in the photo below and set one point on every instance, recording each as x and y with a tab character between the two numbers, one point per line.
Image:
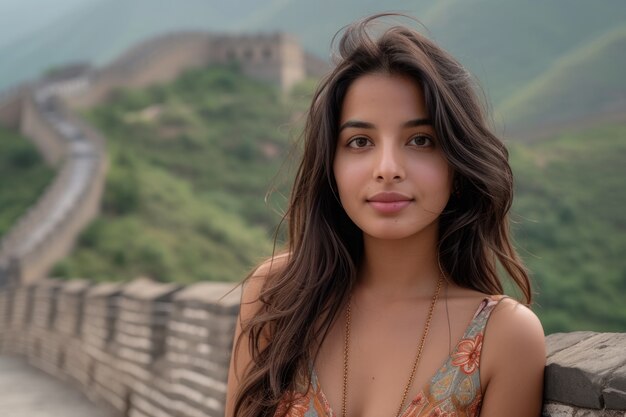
389	197
389	202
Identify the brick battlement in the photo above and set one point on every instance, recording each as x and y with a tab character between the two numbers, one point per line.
161	350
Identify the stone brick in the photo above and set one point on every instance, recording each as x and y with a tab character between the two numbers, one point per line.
221	297
576	375
557	410
615	392
558	341
563	410
148	290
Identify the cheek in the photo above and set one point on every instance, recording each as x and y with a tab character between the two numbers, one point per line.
435	178
348	175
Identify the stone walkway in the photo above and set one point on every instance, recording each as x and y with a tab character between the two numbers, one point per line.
26	391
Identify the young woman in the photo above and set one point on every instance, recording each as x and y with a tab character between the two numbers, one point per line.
387	301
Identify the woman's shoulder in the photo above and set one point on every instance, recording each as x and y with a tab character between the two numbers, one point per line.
250	306
513	349
270	265
515	322
506	311
256	281
511	329
509	322
512	360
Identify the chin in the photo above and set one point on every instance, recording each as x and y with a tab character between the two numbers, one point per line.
390	233
397	230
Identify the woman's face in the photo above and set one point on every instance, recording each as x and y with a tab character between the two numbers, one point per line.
392	176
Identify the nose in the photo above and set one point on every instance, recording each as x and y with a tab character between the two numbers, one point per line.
389	165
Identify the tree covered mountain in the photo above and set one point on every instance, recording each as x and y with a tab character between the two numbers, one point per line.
23	177
191	162
566	92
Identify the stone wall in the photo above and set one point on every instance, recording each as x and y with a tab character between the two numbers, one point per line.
37	123
145	349
47	231
276	58
585	372
142	349
42	111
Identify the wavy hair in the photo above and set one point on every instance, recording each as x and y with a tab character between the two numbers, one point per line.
300	300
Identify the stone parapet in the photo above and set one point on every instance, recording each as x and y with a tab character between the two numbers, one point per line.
585	371
47	231
142	349
147	349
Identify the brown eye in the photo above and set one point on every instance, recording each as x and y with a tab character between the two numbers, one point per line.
422	141
359	142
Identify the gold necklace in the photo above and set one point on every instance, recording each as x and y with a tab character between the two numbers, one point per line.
346	344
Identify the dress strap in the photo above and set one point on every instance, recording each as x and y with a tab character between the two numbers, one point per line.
485	308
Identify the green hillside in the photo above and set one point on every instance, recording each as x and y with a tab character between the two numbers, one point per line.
23	177
509	43
587	82
191	162
569	219
505	43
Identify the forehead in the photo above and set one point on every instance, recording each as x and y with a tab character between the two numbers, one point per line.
383	97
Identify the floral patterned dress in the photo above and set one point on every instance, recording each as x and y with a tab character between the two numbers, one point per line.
454	390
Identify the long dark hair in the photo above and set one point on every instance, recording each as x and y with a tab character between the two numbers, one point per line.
300	300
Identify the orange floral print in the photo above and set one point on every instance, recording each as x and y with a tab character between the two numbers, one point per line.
294	404
467	355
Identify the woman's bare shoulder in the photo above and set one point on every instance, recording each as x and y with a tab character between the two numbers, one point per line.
513	320
270	266
510	318
241	355
513	360
255	283
514	327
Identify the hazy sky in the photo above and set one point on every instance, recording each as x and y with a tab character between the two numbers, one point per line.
19	17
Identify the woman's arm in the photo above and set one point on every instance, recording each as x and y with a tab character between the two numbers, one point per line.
240	358
513	361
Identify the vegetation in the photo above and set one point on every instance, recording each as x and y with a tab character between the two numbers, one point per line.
584	83
569	222
23	177
191	163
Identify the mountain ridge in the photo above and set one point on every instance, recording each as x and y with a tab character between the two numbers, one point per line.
510	46
564	92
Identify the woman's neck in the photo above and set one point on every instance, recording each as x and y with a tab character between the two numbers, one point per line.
399	269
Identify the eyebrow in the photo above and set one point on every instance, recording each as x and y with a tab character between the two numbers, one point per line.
365	125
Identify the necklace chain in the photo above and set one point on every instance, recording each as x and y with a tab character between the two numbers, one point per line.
346	351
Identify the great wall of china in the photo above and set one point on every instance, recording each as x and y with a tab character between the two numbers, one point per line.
145	349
